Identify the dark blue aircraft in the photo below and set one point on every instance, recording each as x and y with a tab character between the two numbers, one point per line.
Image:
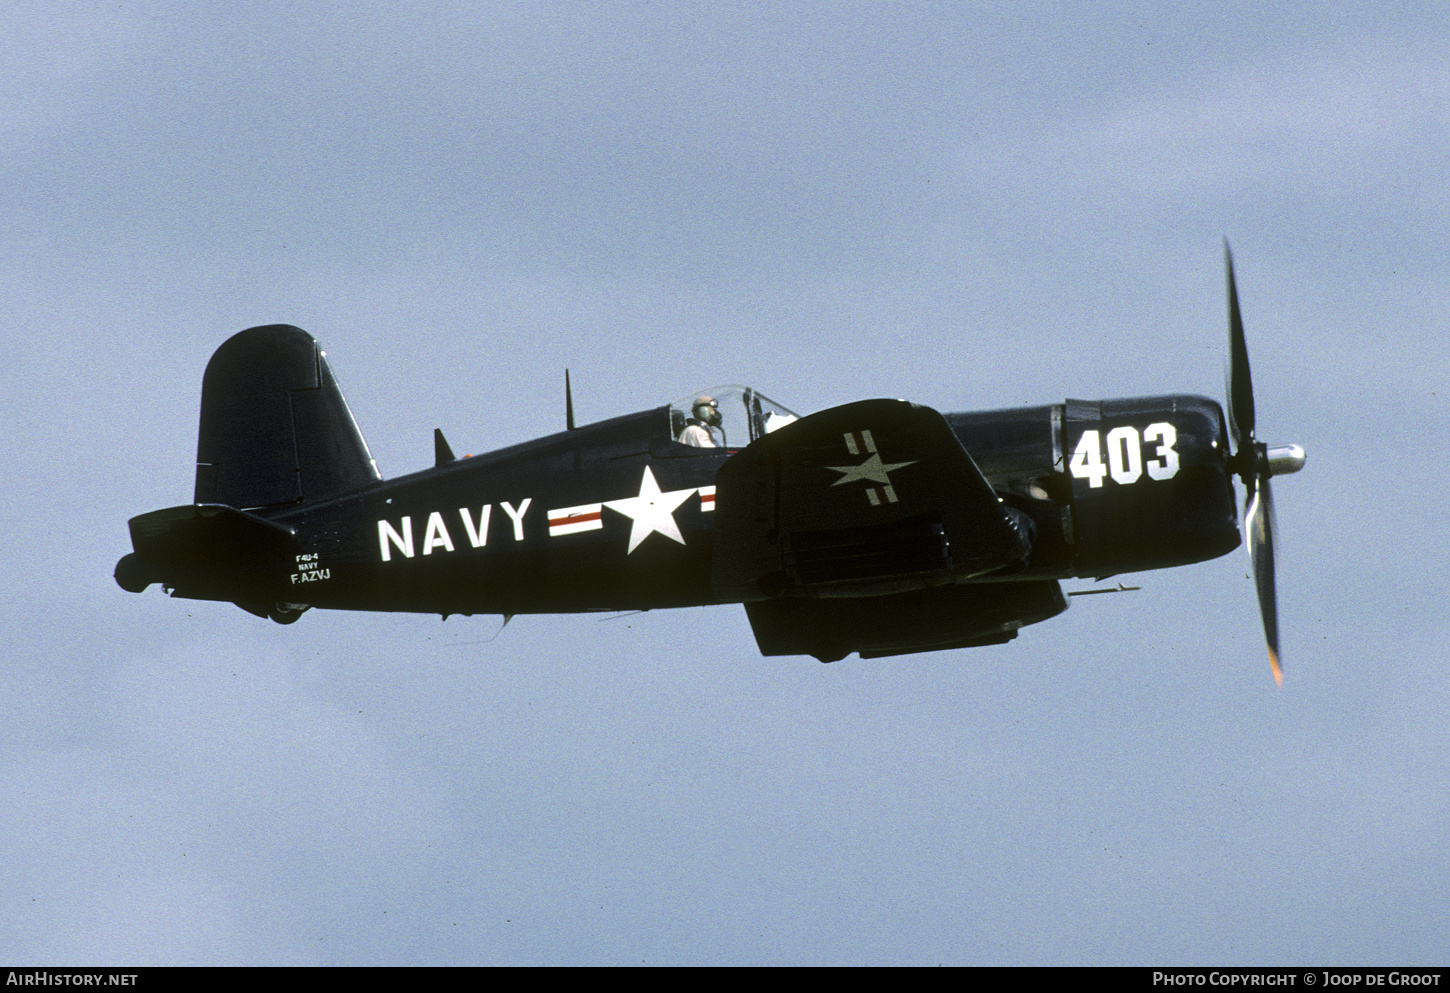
880	527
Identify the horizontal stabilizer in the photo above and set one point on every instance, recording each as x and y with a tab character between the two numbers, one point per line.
196	533
869	498
181	545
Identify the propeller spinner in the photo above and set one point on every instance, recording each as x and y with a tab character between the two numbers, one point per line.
1255	462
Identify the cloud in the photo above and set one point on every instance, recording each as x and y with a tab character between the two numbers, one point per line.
1326	122
222	814
51	52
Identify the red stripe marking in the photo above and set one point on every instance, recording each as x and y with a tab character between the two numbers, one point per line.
576	518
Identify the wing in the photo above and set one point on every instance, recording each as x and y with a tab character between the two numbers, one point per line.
870	498
963	615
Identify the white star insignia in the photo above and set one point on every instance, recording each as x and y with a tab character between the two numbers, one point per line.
651	511
872	470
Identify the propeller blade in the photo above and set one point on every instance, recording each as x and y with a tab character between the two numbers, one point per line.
1254	462
1240	384
1259	524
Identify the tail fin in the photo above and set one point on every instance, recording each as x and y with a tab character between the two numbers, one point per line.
274	427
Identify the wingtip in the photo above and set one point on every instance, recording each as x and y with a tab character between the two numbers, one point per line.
1278	670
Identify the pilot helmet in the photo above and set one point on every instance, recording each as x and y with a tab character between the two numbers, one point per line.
707	411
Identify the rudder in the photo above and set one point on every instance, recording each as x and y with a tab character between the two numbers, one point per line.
275	428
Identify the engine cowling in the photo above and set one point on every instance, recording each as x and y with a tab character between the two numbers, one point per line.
1150	481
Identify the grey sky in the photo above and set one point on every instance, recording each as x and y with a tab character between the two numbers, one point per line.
965	205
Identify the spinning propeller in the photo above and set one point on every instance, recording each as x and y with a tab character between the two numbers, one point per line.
1255	462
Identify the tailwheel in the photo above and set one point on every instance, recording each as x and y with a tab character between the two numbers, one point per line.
287	613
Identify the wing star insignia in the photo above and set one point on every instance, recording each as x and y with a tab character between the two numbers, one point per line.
873	470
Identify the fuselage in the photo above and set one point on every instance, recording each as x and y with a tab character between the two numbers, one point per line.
618	515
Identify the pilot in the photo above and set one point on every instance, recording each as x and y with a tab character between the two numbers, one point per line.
706	415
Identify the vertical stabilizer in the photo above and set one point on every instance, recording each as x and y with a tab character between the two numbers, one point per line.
275	428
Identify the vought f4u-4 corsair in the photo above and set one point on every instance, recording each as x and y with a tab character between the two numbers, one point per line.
879	527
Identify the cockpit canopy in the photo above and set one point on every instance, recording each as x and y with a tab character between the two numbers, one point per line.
745	415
